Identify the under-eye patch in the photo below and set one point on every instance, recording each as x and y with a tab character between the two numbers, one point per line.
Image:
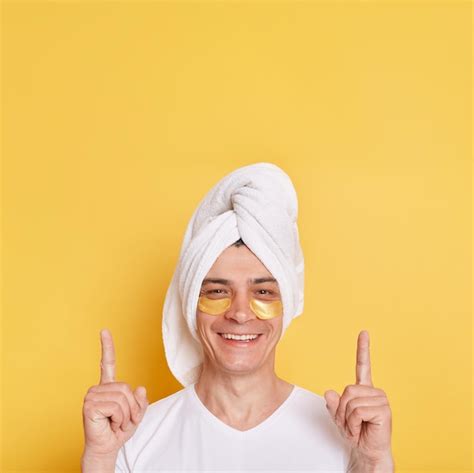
263	310
266	310
213	306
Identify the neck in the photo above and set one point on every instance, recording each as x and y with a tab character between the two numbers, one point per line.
241	400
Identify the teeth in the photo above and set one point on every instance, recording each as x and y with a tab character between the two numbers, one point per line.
238	337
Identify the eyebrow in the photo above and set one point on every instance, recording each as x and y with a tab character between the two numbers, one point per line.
227	282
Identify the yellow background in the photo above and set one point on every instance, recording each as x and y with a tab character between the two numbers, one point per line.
120	116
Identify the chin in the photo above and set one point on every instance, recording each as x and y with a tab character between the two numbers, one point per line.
239	367
238	372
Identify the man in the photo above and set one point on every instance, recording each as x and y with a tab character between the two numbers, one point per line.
234	413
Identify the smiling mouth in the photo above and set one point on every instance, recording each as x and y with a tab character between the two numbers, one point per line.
235	342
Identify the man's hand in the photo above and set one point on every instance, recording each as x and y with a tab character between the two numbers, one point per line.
111	410
364	417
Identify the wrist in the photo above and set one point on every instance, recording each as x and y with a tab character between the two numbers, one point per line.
385	467
93	462
360	464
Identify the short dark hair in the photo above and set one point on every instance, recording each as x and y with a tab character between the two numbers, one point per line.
238	243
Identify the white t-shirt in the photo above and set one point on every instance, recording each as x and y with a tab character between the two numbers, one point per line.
179	433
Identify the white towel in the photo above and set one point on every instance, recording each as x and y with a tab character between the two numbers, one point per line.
257	203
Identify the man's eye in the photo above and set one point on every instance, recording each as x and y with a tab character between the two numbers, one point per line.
265	290
215	291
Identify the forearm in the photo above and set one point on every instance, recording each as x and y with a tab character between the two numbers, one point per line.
97	464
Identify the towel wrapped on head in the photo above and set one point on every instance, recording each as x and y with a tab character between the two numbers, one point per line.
258	204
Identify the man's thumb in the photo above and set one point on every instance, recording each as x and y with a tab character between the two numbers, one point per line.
140	394
332	402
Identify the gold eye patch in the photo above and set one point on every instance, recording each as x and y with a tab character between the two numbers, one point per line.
266	310
263	310
213	306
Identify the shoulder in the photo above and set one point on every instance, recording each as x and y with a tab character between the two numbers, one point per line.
309	394
163	405
311	416
310	398
162	415
311	407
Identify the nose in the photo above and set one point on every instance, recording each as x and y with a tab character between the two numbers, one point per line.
240	309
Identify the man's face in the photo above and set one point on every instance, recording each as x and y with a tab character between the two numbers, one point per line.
237	268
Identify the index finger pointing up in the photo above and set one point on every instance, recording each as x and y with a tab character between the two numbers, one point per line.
363	373
107	362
